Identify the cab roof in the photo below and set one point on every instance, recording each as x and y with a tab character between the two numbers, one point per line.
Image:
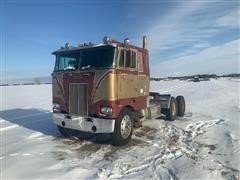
112	43
81	47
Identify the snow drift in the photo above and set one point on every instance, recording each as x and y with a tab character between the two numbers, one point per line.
204	144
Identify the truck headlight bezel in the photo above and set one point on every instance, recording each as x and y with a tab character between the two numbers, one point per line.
106	110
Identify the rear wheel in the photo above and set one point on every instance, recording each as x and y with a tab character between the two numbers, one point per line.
171	113
181	105
123	128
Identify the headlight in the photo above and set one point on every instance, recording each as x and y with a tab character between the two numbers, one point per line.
106	110
56	107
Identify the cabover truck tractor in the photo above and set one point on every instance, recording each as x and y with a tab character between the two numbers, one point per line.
104	88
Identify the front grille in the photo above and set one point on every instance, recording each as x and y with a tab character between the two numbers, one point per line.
78	99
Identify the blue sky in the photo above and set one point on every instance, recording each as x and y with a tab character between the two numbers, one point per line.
184	37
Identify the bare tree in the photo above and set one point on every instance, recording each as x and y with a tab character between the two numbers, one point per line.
37	81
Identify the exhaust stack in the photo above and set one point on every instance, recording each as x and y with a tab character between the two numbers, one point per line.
145	42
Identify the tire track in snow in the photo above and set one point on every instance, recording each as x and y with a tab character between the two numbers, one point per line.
200	127
176	143
149	162
194	130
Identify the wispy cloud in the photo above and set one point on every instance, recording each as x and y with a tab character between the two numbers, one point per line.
229	20
221	59
193	24
201	45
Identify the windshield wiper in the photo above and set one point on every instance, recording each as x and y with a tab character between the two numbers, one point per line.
95	68
69	68
87	67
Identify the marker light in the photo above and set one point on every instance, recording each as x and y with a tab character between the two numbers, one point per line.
67	45
126	41
106	40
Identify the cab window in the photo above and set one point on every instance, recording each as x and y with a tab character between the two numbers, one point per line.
133	60
121	60
128	59
140	62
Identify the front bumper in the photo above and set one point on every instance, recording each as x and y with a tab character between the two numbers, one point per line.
87	124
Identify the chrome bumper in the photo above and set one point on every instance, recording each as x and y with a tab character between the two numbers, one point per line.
87	124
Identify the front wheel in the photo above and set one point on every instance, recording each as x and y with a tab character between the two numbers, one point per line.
123	128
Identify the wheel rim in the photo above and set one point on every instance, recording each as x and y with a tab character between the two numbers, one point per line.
126	126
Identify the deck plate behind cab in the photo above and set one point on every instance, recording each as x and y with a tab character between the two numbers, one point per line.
162	99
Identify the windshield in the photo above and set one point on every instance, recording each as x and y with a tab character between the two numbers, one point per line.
97	58
93	58
67	61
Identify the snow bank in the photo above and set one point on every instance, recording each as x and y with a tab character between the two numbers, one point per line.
204	144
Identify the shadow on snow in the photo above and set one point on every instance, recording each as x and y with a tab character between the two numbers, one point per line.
42	121
33	119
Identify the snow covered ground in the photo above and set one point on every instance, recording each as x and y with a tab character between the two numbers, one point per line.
205	144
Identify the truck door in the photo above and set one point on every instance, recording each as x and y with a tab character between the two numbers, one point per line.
142	78
128	77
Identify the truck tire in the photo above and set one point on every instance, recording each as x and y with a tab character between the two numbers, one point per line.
181	105
171	113
123	128
63	131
